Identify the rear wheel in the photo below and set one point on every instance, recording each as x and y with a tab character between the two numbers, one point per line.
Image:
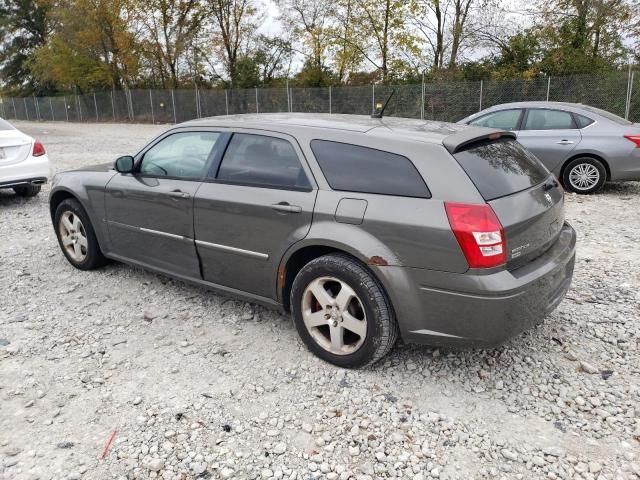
76	236
342	313
27	190
584	175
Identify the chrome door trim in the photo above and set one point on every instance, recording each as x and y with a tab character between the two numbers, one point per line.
158	233
226	248
165	234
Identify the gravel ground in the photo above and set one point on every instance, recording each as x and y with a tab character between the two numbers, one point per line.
196	385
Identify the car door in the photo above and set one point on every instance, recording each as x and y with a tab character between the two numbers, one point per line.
551	135
150	212
257	202
508	119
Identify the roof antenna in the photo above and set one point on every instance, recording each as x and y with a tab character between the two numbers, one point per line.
381	112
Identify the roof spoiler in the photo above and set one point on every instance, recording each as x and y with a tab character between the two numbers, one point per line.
462	139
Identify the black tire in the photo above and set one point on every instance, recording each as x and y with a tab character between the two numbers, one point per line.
584	163
27	190
94	258
381	327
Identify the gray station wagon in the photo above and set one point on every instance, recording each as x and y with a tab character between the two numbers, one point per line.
363	228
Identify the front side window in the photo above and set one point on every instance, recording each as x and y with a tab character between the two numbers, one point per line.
548	120
353	168
503	120
182	155
262	161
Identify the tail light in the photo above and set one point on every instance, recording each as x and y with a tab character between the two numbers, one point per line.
479	233
634	138
38	149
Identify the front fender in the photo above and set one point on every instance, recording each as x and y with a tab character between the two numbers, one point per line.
88	189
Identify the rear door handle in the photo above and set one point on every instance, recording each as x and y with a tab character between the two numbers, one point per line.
179	194
286	208
565	142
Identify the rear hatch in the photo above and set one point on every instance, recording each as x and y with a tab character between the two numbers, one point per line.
525	196
14	145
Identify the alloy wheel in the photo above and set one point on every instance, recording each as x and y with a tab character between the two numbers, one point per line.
334	315
73	236
584	176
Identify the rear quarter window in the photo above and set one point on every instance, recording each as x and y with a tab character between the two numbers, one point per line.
353	168
501	167
582	121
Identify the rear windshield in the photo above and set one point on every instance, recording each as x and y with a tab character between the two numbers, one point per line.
501	167
4	125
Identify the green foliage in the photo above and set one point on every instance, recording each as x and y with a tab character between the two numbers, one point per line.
92	48
24	27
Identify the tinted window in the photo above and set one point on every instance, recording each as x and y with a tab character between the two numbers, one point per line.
504	120
262	161
4	125
583	121
500	168
181	155
360	169
608	115
548	120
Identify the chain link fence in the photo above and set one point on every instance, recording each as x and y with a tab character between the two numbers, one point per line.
617	92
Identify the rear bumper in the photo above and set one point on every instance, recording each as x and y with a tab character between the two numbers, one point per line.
448	309
30	170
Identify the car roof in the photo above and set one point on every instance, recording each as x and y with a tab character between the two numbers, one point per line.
390	127
536	104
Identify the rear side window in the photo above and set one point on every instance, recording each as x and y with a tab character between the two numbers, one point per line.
583	121
4	125
500	168
608	115
548	120
352	168
262	161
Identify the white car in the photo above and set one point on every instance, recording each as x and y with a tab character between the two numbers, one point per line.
24	164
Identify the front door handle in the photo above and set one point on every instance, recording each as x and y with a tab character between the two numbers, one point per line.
179	194
286	207
565	142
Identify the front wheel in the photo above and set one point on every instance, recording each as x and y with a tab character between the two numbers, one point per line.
342	313
584	175
76	236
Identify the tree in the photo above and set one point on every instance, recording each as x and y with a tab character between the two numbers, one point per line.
579	36
447	26
171	28
24	27
429	18
309	21
91	46
273	56
346	51
234	24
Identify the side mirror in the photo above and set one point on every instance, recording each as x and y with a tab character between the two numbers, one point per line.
124	164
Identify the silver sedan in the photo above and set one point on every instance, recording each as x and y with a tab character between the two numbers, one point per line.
582	145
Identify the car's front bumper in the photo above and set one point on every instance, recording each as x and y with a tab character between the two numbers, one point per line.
442	308
29	171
